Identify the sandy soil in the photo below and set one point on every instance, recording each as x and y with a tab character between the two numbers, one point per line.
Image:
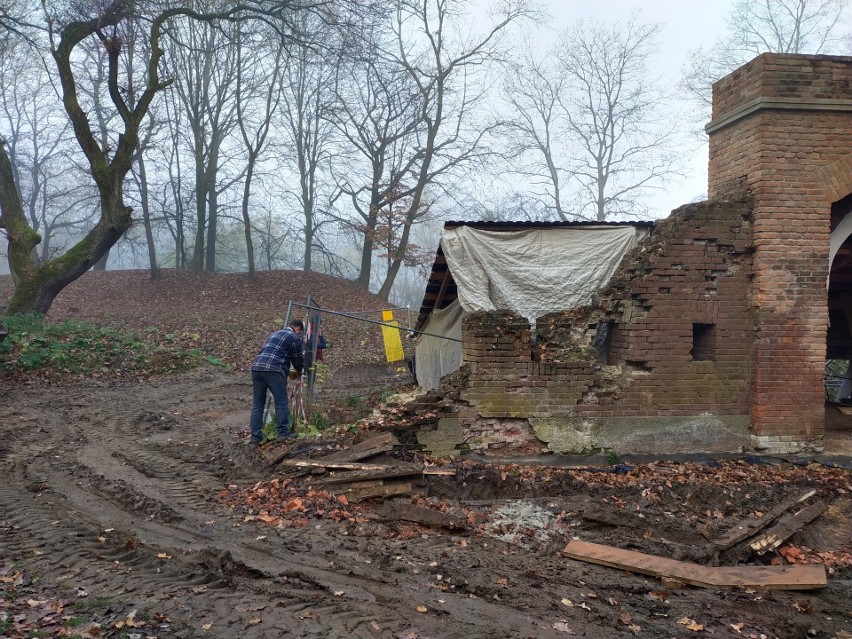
108	500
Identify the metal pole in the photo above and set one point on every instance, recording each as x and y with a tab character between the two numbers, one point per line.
289	310
361	319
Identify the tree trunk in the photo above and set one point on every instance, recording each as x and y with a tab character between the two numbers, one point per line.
101	264
201	218
212	223
146	218
36	286
246	220
369	243
393	269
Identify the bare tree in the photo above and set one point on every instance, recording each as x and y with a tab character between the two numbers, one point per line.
260	79
308	100
205	69
539	142
589	123
416	122
764	26
36	285
377	116
54	198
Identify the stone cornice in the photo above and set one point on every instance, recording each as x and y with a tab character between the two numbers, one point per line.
776	104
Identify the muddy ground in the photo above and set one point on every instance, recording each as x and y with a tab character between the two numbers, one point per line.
111	513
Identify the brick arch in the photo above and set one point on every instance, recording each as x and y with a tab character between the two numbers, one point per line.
838	237
836	180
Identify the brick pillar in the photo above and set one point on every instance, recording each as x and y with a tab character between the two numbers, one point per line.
777	123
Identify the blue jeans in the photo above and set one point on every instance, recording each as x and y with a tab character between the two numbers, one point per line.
276	383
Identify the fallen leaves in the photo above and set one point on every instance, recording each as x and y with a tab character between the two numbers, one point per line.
690	624
129	622
804	555
286	503
627	619
562	626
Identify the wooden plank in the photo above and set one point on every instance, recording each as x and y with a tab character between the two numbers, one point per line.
385	490
386	472
797	577
439	471
374	446
427	516
331	465
342	488
751	526
786	527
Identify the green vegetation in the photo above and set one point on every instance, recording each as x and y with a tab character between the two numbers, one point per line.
93	604
355	401
612	457
312	427
79	348
322	373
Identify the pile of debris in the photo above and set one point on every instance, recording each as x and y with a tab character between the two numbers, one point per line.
701	524
754	536
327	487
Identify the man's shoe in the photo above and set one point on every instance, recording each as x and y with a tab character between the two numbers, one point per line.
286	436
254	442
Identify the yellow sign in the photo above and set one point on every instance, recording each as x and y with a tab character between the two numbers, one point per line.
393	343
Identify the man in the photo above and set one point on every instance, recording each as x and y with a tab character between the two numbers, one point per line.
269	372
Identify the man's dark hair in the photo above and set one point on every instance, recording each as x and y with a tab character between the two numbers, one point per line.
297	323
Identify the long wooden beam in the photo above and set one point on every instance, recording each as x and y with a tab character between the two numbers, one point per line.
796	577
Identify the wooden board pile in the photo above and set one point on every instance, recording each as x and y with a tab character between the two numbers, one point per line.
365	471
747	538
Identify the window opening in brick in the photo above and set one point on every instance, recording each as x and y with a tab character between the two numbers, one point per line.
637	366
703	342
603	340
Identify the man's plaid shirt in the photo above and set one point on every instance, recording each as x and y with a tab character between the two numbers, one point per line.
281	349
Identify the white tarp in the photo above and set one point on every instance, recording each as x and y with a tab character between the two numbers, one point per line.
436	356
532	272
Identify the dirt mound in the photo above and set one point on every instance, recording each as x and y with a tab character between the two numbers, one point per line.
223	314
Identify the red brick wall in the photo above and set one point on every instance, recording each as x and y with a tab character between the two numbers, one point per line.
788	153
754	270
694	273
694	269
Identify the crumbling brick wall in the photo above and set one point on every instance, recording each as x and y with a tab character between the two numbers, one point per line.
633	353
717	323
680	316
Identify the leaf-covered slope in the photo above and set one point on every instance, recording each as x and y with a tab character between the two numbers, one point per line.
222	314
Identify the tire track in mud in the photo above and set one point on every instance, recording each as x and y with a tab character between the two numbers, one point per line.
37	539
91	482
115	477
148	466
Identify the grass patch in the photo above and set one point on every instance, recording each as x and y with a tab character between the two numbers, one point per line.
75	348
93	604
